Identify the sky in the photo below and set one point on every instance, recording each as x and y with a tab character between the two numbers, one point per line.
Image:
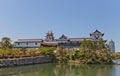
74	18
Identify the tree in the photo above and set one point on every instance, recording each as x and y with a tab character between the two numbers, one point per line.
94	52
61	54
6	43
23	50
83	45
47	50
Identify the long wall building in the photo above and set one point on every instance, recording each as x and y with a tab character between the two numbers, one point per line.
61	41
28	43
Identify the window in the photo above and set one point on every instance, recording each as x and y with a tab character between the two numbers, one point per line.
18	43
35	43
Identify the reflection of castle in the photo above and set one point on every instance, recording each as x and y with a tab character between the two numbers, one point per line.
62	41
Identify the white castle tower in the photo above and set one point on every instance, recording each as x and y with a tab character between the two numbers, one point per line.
97	35
112	46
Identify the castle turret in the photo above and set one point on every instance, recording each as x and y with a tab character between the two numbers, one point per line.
49	36
112	46
97	35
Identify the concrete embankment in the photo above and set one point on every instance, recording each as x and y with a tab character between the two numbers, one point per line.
25	61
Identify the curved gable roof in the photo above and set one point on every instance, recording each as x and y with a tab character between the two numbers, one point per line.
96	32
63	37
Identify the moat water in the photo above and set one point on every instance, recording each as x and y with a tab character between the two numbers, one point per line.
52	69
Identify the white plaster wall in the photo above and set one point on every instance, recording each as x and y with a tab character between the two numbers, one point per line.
29	44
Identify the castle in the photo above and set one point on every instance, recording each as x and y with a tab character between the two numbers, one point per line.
73	43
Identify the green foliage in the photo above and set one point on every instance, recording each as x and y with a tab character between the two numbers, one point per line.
104	56
47	50
6	43
91	52
31	52
75	54
8	53
23	50
61	54
94	52
116	56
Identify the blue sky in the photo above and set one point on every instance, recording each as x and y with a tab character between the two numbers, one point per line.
74	18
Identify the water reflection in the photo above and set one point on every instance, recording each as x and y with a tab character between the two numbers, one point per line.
61	70
83	70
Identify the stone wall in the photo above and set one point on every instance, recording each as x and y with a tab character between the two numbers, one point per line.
25	61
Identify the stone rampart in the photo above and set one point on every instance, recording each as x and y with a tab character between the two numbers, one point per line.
25	61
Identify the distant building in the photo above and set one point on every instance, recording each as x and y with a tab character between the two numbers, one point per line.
28	43
112	46
97	35
72	42
49	36
61	41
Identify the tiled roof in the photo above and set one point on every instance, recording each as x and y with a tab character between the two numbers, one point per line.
63	37
29	40
96	32
79	39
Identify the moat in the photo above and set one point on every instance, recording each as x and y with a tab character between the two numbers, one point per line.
52	69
